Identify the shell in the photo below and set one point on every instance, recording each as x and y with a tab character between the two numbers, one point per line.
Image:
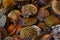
51	20
11	29
46	37
14	15
3	21
42	25
29	21
3	32
56	6
0	2
28	33
28	10
43	13
56	32
0	36
43	2
37	29
7	3
8	38
19	28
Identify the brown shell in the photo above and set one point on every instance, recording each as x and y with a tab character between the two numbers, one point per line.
29	21
43	13
7	3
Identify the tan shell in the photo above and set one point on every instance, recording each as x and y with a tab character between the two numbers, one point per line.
28	10
14	15
56	6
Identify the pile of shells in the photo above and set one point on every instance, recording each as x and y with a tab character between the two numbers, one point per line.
29	19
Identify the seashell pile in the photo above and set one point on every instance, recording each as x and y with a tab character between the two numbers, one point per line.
29	19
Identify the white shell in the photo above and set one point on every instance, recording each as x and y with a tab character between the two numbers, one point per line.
56	32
